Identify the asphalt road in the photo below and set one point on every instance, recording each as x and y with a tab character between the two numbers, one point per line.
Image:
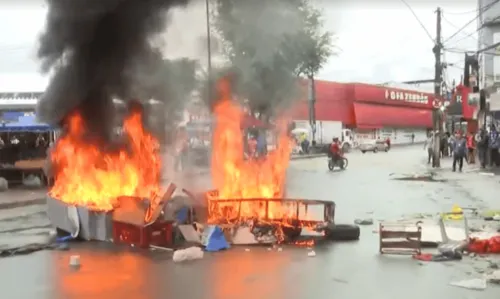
341	270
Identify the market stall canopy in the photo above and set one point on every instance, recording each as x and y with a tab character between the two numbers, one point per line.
25	124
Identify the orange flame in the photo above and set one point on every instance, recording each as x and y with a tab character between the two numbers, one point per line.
238	178
86	175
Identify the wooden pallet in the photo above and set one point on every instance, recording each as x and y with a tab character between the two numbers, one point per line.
400	238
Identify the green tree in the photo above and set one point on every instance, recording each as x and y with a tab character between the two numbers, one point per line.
313	45
268	47
310	48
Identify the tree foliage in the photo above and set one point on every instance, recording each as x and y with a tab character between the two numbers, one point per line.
268	45
312	46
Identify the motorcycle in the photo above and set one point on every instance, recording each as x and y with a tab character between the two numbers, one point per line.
341	163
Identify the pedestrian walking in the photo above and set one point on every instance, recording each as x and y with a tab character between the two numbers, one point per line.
443	146
429	145
482	147
451	141
493	145
471	148
459	152
412	138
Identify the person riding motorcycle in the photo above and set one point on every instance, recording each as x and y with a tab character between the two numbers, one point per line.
335	150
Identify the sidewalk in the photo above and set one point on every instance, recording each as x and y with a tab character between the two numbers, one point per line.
15	198
309	156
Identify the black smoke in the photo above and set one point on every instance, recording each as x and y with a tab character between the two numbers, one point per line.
97	50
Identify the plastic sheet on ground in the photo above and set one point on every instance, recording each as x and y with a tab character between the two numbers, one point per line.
188	254
478	284
215	239
490	245
32	181
4	185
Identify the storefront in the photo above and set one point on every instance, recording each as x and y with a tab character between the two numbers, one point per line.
373	111
404	116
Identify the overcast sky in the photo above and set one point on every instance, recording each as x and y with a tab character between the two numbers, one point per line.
378	41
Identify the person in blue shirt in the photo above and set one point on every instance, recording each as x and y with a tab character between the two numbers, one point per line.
459	152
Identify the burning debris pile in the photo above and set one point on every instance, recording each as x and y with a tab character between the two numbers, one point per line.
97	50
88	176
250	192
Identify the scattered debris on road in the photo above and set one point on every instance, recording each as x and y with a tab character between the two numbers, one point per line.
188	254
478	284
400	238
493	277
428	177
74	261
366	221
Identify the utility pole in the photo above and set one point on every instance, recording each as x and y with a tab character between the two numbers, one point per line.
436	114
312	107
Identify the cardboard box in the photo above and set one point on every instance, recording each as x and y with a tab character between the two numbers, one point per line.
94	225
140	211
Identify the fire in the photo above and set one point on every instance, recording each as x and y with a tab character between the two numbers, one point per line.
88	176
236	177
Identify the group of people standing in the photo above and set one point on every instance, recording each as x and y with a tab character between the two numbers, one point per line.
459	146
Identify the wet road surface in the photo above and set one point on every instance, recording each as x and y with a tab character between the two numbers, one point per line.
340	270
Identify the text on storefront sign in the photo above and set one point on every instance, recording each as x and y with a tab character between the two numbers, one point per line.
406	96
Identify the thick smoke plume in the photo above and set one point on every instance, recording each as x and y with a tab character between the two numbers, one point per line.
98	50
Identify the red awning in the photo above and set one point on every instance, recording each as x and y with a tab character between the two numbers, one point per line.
376	116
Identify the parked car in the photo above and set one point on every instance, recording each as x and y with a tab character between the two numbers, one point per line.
374	146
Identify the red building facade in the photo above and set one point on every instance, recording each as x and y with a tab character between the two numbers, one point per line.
365	106
372	110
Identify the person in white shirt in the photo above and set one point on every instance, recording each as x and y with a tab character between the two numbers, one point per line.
429	145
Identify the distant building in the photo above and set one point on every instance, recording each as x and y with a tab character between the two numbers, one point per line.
489	34
19	100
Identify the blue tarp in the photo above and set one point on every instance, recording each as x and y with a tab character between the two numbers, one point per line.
25	124
215	239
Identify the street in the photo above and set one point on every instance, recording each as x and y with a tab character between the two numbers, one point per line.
339	270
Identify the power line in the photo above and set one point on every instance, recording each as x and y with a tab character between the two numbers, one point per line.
418	19
467	36
480	11
462	51
456	27
463	12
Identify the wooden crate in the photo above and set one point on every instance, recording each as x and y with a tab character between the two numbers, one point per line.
400	238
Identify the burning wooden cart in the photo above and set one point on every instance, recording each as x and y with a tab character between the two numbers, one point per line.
269	220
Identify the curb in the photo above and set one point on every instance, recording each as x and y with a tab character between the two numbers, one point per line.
24	203
303	157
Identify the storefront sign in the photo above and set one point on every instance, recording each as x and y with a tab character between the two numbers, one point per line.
411	97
